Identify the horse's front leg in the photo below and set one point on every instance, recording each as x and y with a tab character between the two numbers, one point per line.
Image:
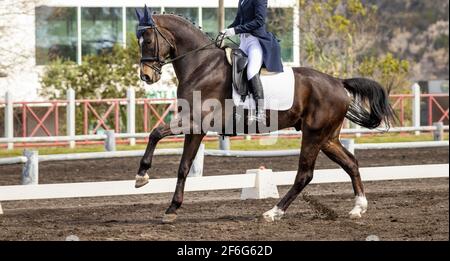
157	134
191	145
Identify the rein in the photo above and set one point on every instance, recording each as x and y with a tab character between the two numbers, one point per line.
161	63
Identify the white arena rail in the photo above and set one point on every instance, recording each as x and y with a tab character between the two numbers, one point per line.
96	137
402	145
218	153
256	184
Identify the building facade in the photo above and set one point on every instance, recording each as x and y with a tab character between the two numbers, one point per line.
36	32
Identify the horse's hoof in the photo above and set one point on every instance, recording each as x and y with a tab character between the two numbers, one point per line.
359	209
356	213
141	181
273	215
169	218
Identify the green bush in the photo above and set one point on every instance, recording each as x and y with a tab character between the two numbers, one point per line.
103	76
107	75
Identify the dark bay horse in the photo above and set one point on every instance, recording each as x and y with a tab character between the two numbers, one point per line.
321	104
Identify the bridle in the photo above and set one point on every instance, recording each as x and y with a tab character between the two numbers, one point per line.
161	62
156	58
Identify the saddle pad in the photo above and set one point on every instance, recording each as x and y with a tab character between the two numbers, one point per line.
278	92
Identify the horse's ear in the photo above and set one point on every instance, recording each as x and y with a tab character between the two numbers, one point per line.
146	14
148	19
138	15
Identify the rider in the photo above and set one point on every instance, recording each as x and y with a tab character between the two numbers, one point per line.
261	47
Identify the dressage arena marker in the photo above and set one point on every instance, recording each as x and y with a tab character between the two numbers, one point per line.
263	183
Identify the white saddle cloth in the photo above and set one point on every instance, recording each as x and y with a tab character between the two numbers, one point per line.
278	92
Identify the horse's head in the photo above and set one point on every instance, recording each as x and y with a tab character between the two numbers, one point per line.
154	45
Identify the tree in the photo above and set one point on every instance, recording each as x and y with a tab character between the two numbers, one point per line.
107	75
103	76
339	38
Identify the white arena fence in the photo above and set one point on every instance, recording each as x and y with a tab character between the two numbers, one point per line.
256	184
217	153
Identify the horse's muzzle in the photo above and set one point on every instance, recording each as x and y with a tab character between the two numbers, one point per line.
149	79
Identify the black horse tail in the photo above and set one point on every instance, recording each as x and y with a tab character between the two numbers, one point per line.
369	94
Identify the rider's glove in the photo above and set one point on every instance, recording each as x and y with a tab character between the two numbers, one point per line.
228	32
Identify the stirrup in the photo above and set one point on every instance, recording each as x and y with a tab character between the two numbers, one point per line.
261	118
251	115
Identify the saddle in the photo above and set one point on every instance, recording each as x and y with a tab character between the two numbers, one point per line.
239	62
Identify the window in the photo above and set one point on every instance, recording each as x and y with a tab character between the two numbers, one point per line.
210	23
190	13
281	24
101	28
56	33
132	21
230	15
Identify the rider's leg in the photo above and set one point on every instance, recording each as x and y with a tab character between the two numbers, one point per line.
255	61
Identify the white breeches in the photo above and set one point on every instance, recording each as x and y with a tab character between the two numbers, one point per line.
252	48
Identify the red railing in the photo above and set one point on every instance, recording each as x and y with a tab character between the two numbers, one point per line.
399	102
51	113
101	119
432	101
149	109
43	118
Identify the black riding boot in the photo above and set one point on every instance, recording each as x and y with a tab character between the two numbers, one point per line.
258	95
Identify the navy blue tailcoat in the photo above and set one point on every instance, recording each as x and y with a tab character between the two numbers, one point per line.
251	18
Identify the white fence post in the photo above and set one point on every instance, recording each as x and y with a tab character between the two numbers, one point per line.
9	119
438	134
71	117
224	143
197	166
358	135
416	107
349	144
131	114
30	171
110	141
1	210
265	187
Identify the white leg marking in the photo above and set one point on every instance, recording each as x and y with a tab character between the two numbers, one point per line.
274	214
360	207
141	181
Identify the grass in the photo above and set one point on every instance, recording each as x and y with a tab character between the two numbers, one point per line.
254	144
396	137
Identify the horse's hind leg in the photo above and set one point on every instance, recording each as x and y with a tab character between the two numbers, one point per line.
311	144
191	145
339	154
156	135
